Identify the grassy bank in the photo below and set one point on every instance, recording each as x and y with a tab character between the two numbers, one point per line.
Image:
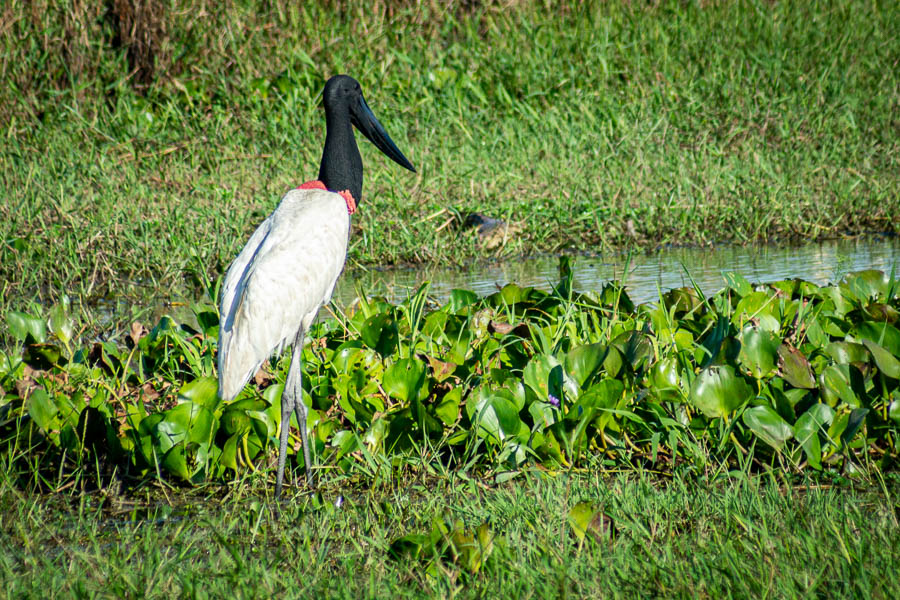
668	538
148	157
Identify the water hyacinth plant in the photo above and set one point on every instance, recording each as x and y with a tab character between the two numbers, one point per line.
789	374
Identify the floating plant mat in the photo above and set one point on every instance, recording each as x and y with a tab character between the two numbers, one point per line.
786	374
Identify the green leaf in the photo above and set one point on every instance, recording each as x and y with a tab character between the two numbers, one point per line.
496	418
447	410
758	351
768	425
175	462
379	332
795	367
806	431
404	378
537	376
583	361
712	342
229	452
664	378
460	299
580	517
186	422
61	324
854	422
836	384
635	346
717	391
883	334
613	362
846	352
738	283
865	285
202	391
886	362
22	325
42	409
894	408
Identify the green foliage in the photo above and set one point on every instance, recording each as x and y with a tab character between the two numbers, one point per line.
590	534
495	385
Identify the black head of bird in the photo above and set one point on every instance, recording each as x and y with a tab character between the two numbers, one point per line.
345	106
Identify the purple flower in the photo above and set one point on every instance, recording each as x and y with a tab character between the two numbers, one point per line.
553	400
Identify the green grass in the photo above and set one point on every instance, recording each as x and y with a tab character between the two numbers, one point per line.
741	121
727	537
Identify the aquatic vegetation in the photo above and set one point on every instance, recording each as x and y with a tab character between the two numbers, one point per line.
788	375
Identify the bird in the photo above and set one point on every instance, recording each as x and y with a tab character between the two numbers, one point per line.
289	267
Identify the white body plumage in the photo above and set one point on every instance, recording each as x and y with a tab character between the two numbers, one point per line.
275	286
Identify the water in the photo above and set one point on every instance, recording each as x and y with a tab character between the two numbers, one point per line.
646	273
820	263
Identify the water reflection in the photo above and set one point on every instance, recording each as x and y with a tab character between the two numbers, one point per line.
646	273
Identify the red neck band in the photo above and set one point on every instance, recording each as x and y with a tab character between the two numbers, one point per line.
318	185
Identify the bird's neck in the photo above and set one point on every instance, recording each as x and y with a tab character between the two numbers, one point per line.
341	167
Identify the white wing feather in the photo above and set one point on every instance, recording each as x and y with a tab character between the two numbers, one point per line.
275	286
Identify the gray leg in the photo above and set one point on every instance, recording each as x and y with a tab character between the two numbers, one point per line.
292	401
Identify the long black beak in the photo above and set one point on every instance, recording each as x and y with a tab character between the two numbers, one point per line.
364	120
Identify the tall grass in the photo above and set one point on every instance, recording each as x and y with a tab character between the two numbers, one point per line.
144	140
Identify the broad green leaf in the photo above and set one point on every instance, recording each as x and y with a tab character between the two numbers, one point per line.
759	349
379	332
738	283
886	362
580	517
537	377
664	377
43	410
460	299
795	367
404	379
346	355
496	418
604	394
202	391
583	361
186	422
883	334
836	385
447	410
753	305
543	414
845	353
894	408
263	425
635	347
768	425
681	300
374	437
718	391
865	285
175	462
21	325
613	362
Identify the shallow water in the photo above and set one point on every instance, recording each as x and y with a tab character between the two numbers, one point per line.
643	274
